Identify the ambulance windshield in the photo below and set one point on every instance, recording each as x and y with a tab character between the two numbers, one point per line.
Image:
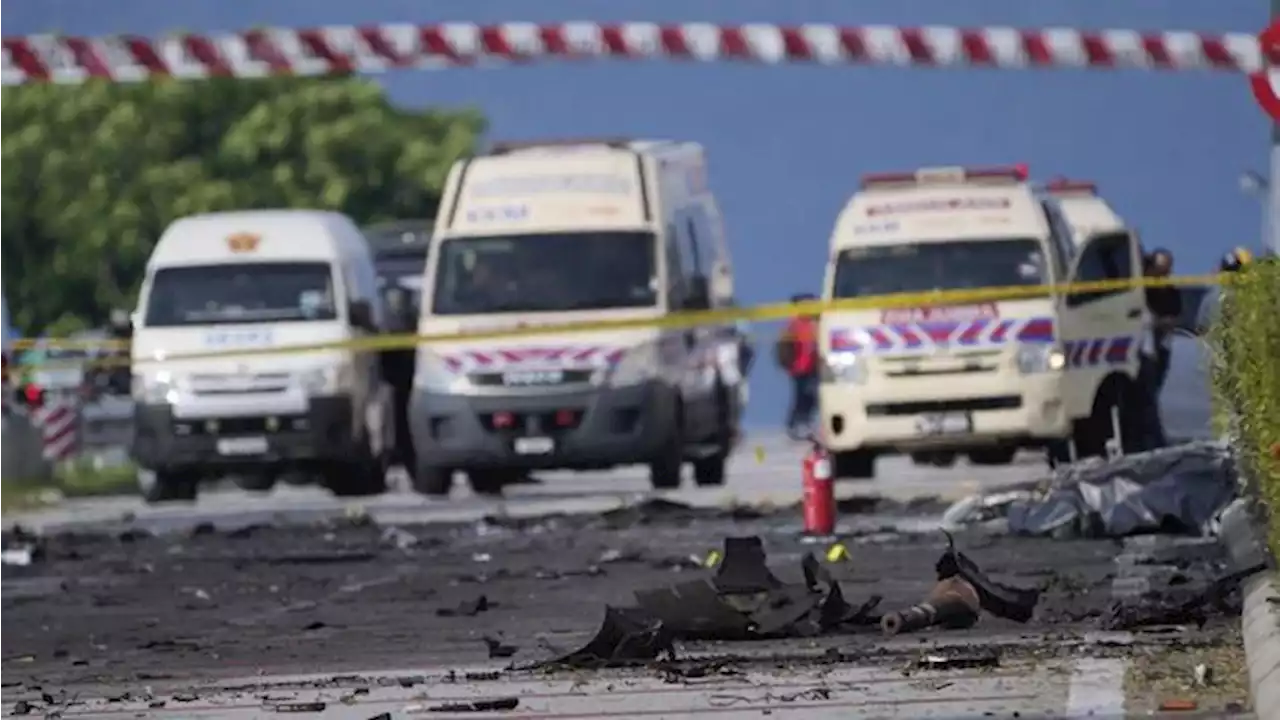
546	272
945	265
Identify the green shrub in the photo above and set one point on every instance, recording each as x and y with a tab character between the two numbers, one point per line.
1246	378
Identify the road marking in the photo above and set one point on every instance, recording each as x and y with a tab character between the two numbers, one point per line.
1096	688
1097	684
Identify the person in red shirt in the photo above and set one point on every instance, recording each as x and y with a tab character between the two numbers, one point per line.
797	352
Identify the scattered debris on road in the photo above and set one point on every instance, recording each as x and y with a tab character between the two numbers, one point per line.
1175	607
953	604
962	590
469	706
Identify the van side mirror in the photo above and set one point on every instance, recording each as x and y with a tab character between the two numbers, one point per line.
698	294
360	314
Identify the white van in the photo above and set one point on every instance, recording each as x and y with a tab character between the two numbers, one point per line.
582	231
978	378
257	281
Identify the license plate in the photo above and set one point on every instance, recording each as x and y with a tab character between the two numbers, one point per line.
242	446
944	424
534	445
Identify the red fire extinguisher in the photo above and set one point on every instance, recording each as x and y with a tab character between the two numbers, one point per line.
819	493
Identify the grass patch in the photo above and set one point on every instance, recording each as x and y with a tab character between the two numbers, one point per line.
1246	379
74	479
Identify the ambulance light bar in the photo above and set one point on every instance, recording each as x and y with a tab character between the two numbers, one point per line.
947	176
1063	186
504	147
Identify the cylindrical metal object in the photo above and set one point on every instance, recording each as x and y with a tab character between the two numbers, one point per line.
953	604
819	493
913	618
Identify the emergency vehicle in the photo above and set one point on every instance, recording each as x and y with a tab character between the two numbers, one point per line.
938	377
257	281
549	233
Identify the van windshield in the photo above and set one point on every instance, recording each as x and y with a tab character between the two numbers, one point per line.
241	293
930	266
545	273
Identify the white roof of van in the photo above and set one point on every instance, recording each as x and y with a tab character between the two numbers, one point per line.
276	235
940	204
1086	212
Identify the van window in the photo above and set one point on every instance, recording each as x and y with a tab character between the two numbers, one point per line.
675	267
1105	257
930	266
241	293
545	272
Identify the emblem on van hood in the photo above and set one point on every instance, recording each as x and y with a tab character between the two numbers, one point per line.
243	242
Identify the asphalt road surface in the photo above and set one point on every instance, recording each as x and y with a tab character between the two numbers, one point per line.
245	606
766	470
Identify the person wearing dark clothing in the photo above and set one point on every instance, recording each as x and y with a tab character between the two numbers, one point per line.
1164	307
397	369
798	356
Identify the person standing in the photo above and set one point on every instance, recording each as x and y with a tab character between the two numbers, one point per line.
1164	308
797	354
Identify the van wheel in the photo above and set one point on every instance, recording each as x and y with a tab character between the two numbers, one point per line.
364	477
993	456
664	470
255	482
934	459
709	471
854	465
432	481
158	486
490	482
1091	434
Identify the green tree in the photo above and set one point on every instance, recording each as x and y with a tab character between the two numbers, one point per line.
93	173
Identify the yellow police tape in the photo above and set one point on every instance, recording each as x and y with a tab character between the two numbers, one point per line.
677	320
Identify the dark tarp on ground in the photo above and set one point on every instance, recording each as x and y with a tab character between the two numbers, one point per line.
1174	490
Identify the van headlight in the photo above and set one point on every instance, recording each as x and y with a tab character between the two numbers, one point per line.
844	367
432	374
639	365
1040	358
328	380
154	387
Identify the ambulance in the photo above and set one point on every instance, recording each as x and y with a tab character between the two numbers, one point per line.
259	282
937	377
549	233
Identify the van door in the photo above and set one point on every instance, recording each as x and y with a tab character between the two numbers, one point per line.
1102	330
701	342
365	363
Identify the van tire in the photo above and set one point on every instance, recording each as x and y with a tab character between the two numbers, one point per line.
489	483
664	470
432	481
1091	433
366	476
710	471
157	486
993	456
255	482
854	465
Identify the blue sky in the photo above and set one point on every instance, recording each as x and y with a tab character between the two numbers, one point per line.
787	144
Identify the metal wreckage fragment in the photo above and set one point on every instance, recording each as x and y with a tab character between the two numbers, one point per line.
962	592
743	601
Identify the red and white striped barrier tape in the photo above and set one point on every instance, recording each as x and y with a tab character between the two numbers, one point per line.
378	48
58	423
